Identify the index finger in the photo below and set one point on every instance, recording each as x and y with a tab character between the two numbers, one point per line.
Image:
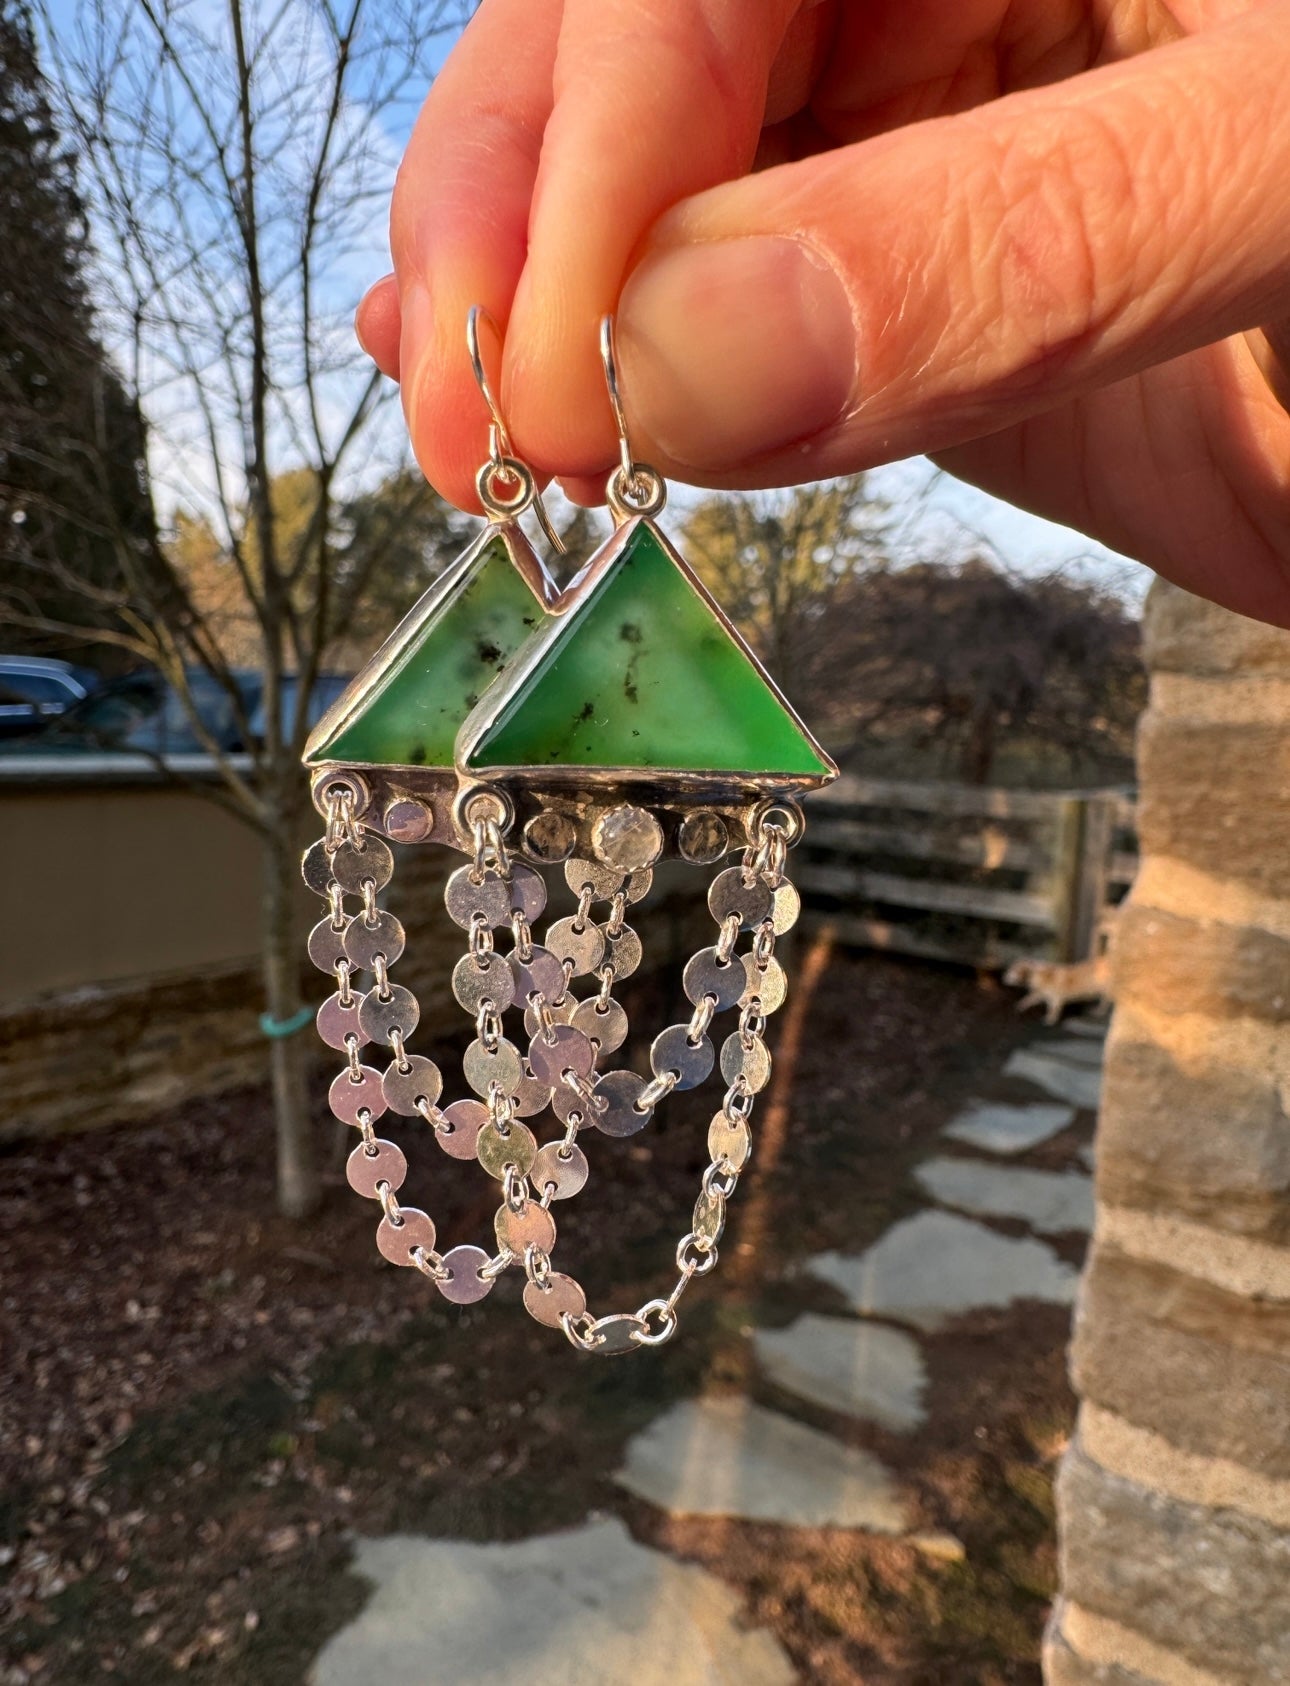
458	224
654	101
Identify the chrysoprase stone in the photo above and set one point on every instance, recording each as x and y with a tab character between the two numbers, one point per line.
642	674
443	668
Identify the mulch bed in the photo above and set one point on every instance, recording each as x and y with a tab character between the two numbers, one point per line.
202	1402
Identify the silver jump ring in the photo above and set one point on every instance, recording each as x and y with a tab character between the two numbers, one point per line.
466	808
504	505
638	491
780	814
666	1315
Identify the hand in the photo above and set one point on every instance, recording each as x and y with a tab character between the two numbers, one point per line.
1034	238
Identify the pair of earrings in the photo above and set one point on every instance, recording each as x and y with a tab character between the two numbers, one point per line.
604	727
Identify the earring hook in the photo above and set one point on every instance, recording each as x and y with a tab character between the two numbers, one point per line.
502	462
500	439
634	487
610	361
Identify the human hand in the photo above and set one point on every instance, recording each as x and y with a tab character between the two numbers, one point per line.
1033	238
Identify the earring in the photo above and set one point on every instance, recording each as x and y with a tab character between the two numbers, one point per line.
630	723
405	706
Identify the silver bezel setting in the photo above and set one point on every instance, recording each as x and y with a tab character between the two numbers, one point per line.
683	783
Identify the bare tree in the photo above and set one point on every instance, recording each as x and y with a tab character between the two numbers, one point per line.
949	660
781	563
968	657
236	156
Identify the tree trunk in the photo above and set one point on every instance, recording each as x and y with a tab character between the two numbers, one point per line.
978	750
299	1185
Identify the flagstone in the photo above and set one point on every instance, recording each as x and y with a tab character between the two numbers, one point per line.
1061	1079
999	1127
1077	1050
935	1266
1053	1202
1090	1027
570	1609
864	1370
729	1457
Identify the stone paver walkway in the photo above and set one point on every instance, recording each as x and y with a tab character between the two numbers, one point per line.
935	1266
593	1606
999	1127
584	1608
1063	1079
1095	1027
1074	1050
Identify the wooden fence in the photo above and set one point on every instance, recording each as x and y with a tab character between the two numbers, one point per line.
967	874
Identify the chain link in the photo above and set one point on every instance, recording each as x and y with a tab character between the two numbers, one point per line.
655	1091
490	850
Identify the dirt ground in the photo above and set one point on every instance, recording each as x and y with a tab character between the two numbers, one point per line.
201	1403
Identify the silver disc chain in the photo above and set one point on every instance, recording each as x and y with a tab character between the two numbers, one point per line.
491	897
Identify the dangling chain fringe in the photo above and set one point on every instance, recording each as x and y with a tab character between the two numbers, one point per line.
560	1069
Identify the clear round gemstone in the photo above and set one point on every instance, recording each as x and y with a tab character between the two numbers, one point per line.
627	837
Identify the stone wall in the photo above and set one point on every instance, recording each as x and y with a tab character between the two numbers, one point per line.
1175	1496
116	1052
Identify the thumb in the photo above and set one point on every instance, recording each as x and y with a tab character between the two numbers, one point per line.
944	281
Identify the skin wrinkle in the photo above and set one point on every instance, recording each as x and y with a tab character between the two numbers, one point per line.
717	63
1137	295
1052	60
809	40
496	133
1052	296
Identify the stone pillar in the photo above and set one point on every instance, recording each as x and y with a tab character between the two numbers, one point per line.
1174	1499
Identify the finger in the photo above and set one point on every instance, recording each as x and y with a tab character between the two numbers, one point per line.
378	324
458	224
586	490
940	283
901	61
1271	348
654	101
1185	467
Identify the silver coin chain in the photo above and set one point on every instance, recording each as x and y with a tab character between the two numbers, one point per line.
568	1037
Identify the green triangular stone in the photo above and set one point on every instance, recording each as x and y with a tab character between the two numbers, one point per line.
405	708
641	674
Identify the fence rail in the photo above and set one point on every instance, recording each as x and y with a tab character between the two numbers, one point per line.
966	874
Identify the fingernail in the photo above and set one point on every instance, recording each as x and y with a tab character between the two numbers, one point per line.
734	349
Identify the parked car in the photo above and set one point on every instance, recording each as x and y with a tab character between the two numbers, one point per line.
143	712
326	688
35	690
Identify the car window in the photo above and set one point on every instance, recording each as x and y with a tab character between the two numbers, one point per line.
40	688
